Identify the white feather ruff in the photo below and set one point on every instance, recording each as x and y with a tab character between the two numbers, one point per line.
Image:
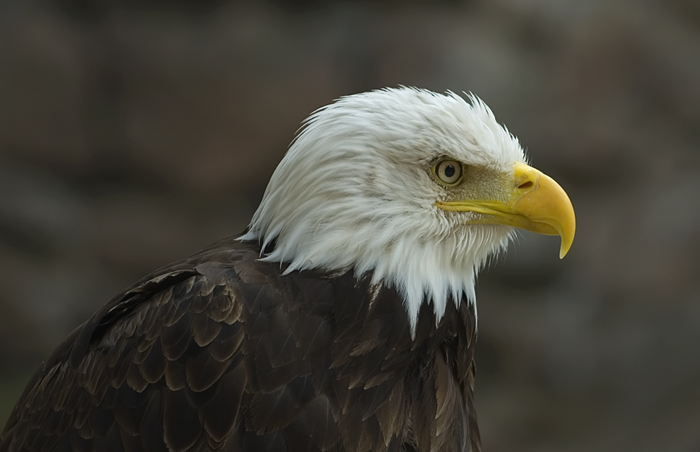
353	192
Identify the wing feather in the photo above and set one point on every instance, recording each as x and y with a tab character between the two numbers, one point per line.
181	426
223	352
220	416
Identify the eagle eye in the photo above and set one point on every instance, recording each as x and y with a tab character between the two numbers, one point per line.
449	172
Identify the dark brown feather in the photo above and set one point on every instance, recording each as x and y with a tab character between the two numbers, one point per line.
224	352
181	426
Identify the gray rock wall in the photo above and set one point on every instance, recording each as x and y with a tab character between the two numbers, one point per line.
131	136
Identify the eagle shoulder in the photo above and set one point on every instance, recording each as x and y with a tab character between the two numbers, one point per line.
160	365
224	352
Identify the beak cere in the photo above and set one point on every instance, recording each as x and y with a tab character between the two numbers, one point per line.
534	202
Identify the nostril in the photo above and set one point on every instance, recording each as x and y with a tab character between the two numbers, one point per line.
527	184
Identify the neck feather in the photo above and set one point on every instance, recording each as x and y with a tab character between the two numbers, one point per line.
422	269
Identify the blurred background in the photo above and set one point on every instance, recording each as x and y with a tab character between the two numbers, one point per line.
134	133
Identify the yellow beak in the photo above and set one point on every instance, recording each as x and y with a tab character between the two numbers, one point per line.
535	202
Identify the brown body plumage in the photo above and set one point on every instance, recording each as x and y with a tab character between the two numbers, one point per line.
223	352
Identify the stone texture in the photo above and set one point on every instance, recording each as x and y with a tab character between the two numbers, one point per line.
131	136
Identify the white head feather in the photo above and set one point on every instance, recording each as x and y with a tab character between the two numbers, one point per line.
353	192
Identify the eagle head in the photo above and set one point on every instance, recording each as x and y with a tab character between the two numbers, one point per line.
418	188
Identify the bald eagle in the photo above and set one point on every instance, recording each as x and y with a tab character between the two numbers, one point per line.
343	319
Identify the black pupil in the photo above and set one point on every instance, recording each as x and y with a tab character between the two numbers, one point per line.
449	170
